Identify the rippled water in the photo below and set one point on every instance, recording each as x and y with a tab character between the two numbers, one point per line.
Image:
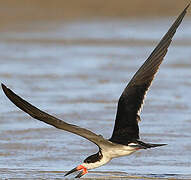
77	72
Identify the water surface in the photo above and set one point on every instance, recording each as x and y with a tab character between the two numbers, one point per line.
77	71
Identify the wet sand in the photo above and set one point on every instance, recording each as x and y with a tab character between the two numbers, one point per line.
77	70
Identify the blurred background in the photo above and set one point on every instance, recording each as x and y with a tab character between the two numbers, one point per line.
73	59
26	11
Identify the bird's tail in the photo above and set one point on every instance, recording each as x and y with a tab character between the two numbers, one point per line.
149	145
143	145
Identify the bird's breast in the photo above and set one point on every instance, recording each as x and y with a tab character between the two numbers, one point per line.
107	154
118	151
91	165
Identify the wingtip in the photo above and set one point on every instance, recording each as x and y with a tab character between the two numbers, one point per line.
187	6
3	87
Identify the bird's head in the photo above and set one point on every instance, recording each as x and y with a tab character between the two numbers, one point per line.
90	162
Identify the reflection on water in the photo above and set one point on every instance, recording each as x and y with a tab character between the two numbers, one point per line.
77	71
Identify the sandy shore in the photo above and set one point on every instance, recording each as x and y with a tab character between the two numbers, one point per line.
27	10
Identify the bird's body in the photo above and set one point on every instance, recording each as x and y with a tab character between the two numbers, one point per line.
125	138
106	155
114	151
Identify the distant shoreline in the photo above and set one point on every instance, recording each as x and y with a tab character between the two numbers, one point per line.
26	11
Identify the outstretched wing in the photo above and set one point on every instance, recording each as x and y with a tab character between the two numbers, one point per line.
45	117
129	105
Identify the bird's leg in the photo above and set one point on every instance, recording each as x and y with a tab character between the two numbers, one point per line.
78	168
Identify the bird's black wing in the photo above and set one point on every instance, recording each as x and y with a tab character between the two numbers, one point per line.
129	105
45	117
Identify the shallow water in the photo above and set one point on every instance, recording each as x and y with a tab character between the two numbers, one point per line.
77	71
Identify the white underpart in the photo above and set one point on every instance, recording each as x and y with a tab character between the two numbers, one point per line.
110	153
140	109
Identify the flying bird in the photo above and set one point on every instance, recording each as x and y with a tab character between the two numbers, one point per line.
125	138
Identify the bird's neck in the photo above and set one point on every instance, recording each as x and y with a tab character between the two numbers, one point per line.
95	160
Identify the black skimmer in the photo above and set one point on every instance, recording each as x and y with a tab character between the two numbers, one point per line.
125	137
